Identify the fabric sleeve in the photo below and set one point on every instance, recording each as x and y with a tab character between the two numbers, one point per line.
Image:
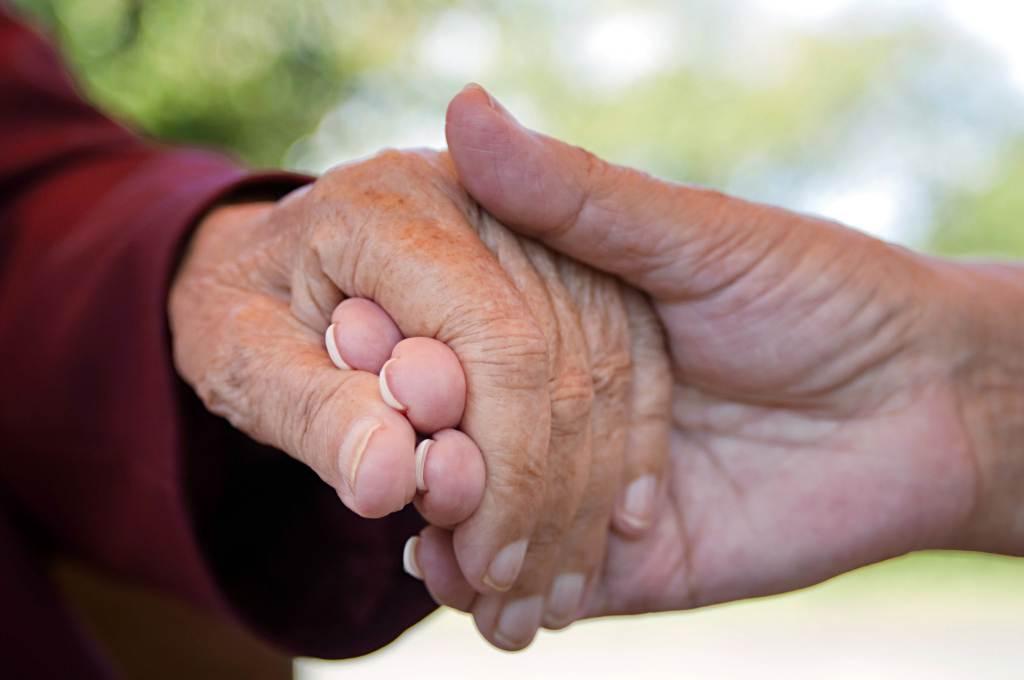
107	452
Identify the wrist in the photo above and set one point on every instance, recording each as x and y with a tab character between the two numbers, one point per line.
222	220
222	228
986	304
215	247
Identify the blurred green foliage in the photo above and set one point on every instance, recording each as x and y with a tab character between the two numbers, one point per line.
244	77
905	101
988	220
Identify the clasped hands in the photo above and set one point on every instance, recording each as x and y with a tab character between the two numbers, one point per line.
606	393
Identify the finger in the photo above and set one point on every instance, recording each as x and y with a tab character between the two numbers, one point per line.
334	421
420	377
650	401
424	380
430	557
449	464
510	621
422	261
605	327
654	234
361	335
449	477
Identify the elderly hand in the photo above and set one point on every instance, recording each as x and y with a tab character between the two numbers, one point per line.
820	419
612	350
544	344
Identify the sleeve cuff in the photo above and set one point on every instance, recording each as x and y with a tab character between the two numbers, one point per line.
283	555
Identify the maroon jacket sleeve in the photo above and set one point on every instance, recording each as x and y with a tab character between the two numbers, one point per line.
105	455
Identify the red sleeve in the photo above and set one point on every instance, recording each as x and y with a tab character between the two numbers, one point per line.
105	453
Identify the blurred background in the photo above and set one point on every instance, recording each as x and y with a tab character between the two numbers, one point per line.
902	118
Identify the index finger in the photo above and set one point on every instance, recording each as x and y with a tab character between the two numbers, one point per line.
394	229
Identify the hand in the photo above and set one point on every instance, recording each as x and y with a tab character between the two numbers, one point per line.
253	303
603	338
816	417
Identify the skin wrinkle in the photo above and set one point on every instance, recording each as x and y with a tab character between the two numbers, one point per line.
665	258
686	249
324	225
861	370
351	254
321	298
309	414
569	406
851	368
513	257
700	446
570	384
563	226
610	387
974	507
709	297
365	240
855	477
692	595
726	298
508	253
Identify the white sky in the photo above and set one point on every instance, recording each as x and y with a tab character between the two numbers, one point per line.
883	202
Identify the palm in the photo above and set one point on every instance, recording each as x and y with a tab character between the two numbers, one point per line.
804	442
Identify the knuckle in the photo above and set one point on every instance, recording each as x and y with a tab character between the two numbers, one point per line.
379	170
611	373
511	354
401	162
572	399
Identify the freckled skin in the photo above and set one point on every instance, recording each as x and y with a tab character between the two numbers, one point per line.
256	292
589	329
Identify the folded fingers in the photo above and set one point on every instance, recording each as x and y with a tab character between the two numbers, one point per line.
422	379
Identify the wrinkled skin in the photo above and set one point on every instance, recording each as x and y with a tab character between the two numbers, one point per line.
816	420
545	351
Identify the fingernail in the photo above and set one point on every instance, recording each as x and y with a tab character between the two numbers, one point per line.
409	561
354	446
477	86
638	502
506	565
385	390
332	349
492	102
519	621
564	600
421	462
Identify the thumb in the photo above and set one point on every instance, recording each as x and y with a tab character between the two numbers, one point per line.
655	235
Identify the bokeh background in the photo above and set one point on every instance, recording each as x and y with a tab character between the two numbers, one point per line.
903	118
